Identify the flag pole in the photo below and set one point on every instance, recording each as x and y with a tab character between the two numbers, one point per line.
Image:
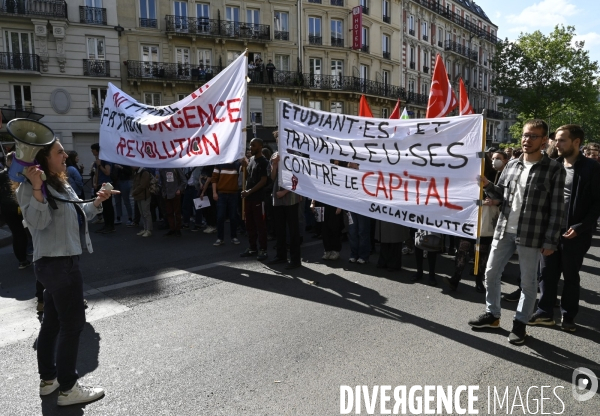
480	207
244	130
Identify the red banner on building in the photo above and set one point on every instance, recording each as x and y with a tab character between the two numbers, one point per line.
357	28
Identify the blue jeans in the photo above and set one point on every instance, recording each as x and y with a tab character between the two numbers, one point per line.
124	198
227	205
529	257
359	234
63	321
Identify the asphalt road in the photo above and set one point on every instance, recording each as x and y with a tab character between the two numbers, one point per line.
179	327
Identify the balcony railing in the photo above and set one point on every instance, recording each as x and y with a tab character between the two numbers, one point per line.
315	40
151	23
440	44
387	19
411	32
365	48
19	61
387	55
425	37
92	15
365	10
453	46
96	68
20	107
498	115
335	41
48	8
412	65
281	35
337	3
426	69
458	19
164	71
201	26
94	112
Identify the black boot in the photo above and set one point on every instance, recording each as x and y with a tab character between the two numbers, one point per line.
452	282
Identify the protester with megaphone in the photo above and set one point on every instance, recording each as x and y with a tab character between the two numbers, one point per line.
57	227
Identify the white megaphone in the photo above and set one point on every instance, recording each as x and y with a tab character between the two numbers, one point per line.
30	136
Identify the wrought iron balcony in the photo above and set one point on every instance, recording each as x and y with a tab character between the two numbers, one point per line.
456	47
201	26
151	23
387	55
47	8
19	61
315	40
164	71
281	35
94	112
425	37
365	10
498	115
418	99
20	107
438	8
96	68
426	69
411	32
412	65
337	3
92	15
335	41
365	48
387	19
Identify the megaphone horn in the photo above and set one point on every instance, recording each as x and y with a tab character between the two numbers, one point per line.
30	137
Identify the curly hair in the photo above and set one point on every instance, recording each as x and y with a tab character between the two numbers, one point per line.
56	180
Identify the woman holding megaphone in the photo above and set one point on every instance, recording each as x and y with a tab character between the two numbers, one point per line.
57	228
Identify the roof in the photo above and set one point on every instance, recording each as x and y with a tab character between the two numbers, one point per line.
473	8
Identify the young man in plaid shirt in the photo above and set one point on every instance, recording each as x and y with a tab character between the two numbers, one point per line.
531	191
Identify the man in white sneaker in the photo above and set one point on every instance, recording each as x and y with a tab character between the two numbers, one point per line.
531	191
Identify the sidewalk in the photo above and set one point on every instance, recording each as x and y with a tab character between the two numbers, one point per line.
5	237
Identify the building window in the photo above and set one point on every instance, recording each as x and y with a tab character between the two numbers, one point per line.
253	17
365	39
385	113
181	14
282	29
386	11
282	62
314	31
152	98
95	48
337	33
385	76
411	85
232	56
412	57
425	88
148	13
411	25
364	72
204	57
425	61
181	96
424	31
385	43
255	106
337	107
21	97
316	105
97	97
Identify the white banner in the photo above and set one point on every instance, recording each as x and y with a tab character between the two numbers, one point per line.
204	128
420	173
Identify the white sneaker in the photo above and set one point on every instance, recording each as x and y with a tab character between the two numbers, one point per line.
142	232
235	241
360	261
48	387
79	394
210	230
326	255
352	260
148	233
334	255
218	242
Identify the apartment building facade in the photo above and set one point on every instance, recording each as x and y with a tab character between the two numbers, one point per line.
56	59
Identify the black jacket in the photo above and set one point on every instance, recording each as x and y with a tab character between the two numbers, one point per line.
584	208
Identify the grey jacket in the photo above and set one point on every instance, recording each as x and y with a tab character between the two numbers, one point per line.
171	181
55	232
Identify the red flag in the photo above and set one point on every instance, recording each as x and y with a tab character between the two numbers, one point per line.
363	108
465	105
441	97
396	112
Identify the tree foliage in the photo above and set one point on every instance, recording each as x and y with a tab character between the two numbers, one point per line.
546	77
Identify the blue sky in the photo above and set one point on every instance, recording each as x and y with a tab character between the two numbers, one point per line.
515	16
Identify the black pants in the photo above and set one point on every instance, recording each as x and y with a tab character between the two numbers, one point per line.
566	260
108	213
286	217
14	220
331	229
464	251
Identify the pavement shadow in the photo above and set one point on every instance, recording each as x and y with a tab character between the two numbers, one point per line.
334	290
